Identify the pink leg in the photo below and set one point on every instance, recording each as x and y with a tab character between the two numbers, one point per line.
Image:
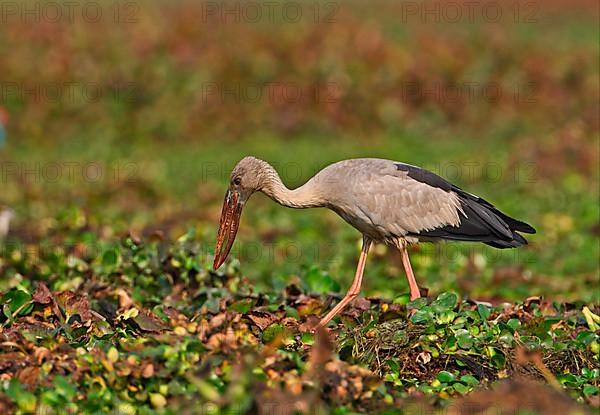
354	288
412	282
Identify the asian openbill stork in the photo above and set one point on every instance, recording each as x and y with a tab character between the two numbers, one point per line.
387	201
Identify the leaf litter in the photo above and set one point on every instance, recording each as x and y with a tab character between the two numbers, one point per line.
223	346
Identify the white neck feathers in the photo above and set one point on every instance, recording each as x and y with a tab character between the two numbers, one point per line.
305	196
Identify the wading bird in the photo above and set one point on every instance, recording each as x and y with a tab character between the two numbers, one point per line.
387	201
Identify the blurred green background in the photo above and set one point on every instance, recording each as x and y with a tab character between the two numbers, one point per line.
132	123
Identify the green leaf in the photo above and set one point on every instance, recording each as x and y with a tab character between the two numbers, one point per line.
417	303
129	314
447	317
465	341
589	390
242	306
506	338
402	299
460	388
6	311
586	337
445	376
393	365
421	316
514	324
25	400
15	299
64	388
272	332
484	311
496	356
320	282
444	302
568	379
110	257
308	338
450	342
469	380
291	312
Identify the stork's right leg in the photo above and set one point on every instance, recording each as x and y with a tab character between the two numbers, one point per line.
354	288
412	282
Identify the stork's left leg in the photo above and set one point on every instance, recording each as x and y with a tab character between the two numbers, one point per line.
412	282
354	288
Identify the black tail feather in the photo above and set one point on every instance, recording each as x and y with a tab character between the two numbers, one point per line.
483	222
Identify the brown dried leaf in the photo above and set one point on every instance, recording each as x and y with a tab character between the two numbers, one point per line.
361	303
28	375
11	360
42	294
222	341
75	304
203	330
6	403
148	321
40	354
125	301
177	318
217	321
309	325
148	371
262	320
310	306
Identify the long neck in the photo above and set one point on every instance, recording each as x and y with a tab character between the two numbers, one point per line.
305	196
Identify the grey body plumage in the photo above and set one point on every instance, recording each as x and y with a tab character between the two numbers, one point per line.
394	203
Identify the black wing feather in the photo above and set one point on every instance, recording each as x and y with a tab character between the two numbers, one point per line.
482	222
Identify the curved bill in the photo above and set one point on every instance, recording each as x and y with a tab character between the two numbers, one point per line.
228	226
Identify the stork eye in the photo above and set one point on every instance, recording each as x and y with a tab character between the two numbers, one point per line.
237	181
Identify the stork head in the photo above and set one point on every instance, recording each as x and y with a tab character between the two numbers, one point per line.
248	176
